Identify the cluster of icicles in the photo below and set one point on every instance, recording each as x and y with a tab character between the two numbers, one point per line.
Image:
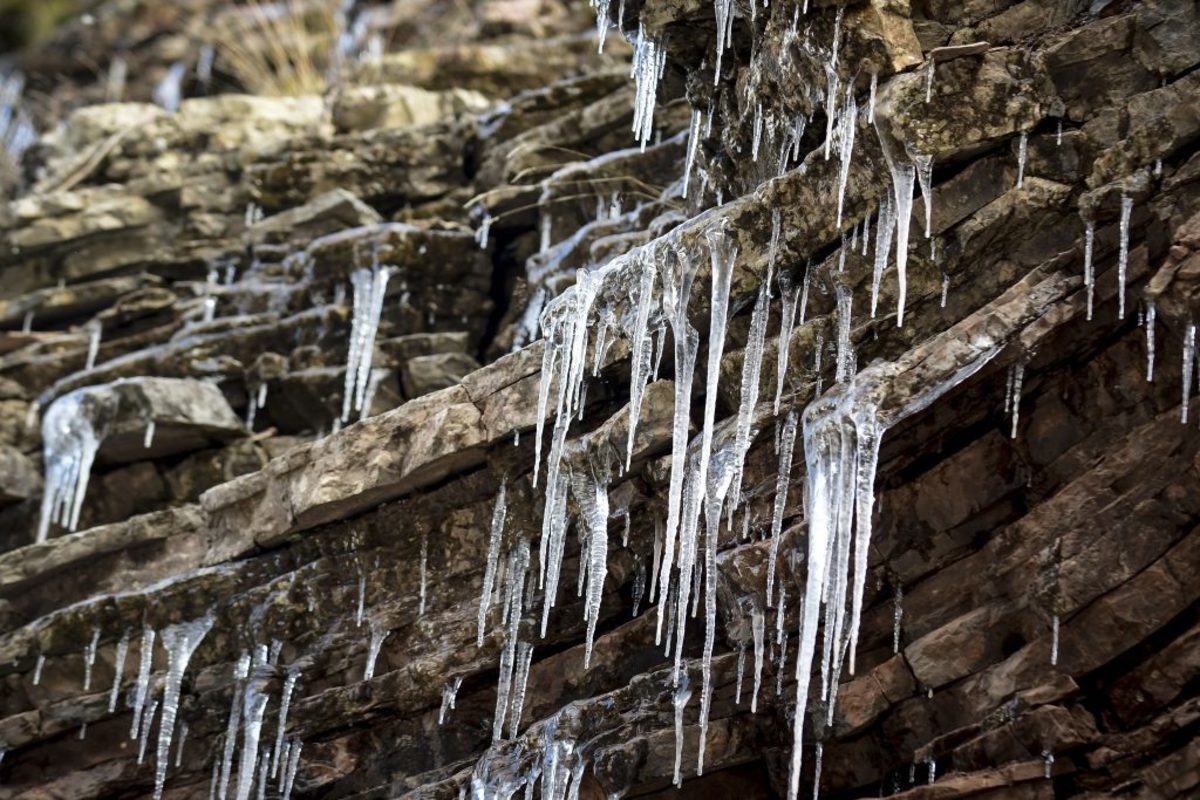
640	296
259	762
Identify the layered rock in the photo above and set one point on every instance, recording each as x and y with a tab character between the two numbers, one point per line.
1022	620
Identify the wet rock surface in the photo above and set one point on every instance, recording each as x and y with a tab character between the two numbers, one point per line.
301	323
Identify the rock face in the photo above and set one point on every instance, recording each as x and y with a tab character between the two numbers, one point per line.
834	437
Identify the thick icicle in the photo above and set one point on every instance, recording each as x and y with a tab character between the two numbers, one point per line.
370	286
842	433
254	709
1123	253
70	443
180	642
649	61
1054	641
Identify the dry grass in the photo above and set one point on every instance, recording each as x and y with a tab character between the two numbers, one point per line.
282	49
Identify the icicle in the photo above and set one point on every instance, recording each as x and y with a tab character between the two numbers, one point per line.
932	767
362	598
70	442
903	176
693	147
871	101
1018	380
37	668
254	708
930	70
89	658
741	672
639	586
845	353
449	695
602	23
756	138
1058	135
817	771
1022	155
789	299
285	704
1189	362
485	227
640	346
924	167
884	228
180	642
289	775
1151	316
897	617
93	345
1048	759
143	679
424	563
842	432
520	681
373	647
147	723
677	283
682	694
649	61
1123	253
847	126
783	479
183	733
945	288
1089	279
370	286
118	670
518	564
546	228
1054	641
751	372
148	437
